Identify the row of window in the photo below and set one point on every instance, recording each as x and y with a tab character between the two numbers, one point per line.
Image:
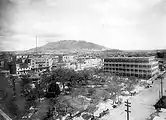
127	72
41	65
132	70
134	75
128	65
128	60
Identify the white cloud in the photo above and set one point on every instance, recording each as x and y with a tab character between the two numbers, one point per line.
52	3
122	24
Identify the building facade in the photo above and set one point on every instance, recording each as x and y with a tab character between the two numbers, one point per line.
22	64
41	63
142	67
8	62
68	58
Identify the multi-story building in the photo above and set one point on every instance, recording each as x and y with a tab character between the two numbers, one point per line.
8	62
142	67
41	63
22	64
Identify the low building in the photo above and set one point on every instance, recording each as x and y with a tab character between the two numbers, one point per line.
142	67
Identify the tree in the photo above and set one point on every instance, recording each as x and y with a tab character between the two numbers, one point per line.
42	110
13	108
25	80
53	90
68	77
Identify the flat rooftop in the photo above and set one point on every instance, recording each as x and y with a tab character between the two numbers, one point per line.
130	57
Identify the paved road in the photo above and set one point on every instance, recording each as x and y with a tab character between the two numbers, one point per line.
141	104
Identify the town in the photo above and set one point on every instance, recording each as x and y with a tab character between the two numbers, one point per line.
82	60
82	86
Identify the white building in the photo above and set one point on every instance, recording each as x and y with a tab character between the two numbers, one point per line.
68	58
22	70
22	64
41	63
142	67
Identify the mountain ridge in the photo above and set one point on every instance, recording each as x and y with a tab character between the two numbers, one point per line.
68	45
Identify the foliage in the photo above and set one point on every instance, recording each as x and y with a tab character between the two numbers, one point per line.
79	91
25	80
91	91
86	116
42	110
53	90
13	108
67	77
61	106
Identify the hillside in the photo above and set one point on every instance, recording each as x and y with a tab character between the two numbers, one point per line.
68	46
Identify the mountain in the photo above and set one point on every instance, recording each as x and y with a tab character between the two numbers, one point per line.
68	46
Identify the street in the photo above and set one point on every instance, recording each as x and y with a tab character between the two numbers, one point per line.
141	104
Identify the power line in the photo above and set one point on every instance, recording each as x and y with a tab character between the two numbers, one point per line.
127	111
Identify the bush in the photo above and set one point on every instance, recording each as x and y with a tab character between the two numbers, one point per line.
13	108
86	116
91	91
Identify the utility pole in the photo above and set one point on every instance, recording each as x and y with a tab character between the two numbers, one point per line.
127	105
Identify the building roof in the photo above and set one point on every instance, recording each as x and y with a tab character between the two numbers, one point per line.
130	57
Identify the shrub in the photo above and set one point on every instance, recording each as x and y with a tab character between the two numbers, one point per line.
86	116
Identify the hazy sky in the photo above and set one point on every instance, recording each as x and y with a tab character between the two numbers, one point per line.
121	24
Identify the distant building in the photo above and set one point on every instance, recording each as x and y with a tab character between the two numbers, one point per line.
68	58
142	67
41	63
8	62
97	62
161	56
23	64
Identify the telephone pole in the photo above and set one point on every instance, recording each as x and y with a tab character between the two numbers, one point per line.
127	111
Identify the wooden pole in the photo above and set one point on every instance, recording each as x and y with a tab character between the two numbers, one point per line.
127	111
